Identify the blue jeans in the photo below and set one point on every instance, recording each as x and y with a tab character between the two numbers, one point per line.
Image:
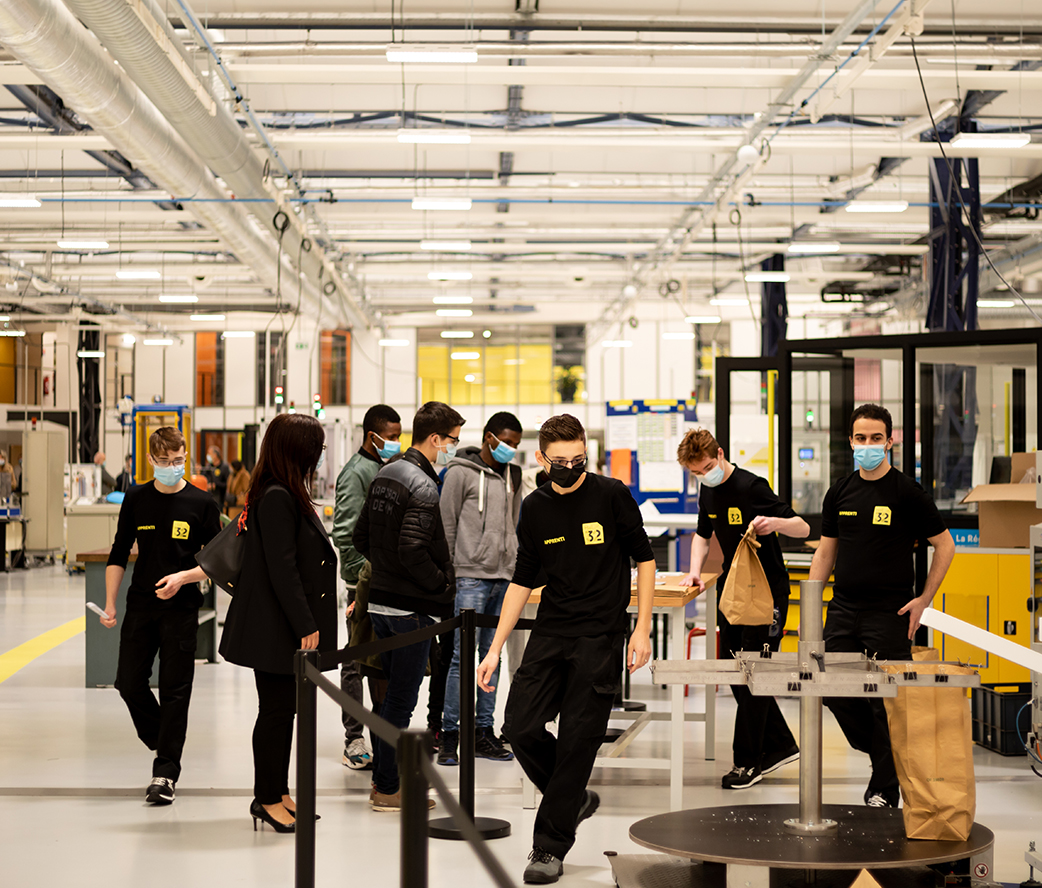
485	597
404	669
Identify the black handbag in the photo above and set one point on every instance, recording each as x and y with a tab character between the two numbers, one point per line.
221	558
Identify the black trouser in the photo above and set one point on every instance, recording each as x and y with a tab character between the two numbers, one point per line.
273	735
161	724
761	733
574	680
442	649
351	684
883	634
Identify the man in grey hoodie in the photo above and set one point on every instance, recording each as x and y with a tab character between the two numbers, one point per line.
480	505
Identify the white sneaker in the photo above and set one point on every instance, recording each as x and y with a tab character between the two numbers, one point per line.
357	755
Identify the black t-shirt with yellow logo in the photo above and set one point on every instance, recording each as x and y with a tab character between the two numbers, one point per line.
170	528
584	541
877	524
727	510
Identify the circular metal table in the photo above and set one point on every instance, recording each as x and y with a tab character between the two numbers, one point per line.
754	835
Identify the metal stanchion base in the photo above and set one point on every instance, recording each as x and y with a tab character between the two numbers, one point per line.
820	828
630	706
488	827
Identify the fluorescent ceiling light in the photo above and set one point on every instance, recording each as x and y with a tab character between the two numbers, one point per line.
15	202
729	300
178	298
617	343
876	206
449	275
767	277
158	341
814	247
703	319
465	356
238	334
470	377
138	274
88	353
991	140
129	339
454	312
5	318
445	246
687	335
440	55
207	317
453	300
83	244
441	203
394	343
995	303
433	137
457	334
12	332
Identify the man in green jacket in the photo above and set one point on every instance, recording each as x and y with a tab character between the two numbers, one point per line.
381	427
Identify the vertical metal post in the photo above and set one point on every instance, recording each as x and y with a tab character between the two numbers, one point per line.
908	419
467	700
783	402
1018	412
811	642
412	747
304	831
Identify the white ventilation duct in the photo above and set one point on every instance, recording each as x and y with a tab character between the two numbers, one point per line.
46	37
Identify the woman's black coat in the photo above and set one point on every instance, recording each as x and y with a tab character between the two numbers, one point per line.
287	589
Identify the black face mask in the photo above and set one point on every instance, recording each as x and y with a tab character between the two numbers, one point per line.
566	478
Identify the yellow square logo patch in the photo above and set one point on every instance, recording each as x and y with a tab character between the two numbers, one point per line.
593	534
180	531
734	516
881	515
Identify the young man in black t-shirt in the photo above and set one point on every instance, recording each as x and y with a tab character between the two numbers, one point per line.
730	500
171	521
870	523
582	529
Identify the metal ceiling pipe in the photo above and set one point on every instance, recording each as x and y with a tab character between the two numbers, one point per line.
46	37
204	123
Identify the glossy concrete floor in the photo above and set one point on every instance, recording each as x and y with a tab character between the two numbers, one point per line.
72	775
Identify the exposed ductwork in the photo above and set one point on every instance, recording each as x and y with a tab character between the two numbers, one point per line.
46	37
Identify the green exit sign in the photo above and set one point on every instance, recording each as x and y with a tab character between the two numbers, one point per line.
302	346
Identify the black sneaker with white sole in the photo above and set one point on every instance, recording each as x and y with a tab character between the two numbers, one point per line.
773	761
878	800
741	778
160	791
487	746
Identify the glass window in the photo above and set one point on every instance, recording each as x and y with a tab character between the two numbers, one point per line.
271	363
335	366
209	370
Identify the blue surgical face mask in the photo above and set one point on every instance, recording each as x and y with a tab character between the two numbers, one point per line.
390	448
168	476
321	461
503	453
444	456
714	477
869	456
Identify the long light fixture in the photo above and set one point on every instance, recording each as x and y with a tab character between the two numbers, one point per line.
138	274
703	319
238	334
453	300
441	203
28	202
814	247
128	340
457	334
449	275
158	341
207	317
991	140
178	298
433	137
83	244
10	331
431	54
446	246
394	343
465	356
89	353
995	303
876	206
767	277
681	336
454	313
617	343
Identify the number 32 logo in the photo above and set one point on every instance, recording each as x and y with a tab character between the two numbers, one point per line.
593	534
180	531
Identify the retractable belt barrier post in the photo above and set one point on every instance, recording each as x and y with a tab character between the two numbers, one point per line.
412	750
307	753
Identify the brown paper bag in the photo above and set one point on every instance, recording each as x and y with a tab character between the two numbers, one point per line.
747	599
930	734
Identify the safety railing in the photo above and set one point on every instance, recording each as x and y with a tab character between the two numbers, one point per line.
417	772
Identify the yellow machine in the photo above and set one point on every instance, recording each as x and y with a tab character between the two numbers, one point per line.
148	418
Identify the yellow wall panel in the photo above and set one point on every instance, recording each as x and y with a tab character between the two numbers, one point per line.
970	592
1012	613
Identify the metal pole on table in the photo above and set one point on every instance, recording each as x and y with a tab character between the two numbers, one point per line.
811	643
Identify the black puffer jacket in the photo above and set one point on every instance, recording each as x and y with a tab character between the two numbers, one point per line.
401	533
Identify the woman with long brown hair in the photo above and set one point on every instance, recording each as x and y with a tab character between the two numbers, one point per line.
285	600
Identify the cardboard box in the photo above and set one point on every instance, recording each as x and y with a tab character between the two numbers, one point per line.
1020	465
1005	514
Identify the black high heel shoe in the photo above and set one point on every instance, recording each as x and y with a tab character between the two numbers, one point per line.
257	812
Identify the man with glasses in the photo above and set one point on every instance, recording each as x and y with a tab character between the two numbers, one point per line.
171	521
582	529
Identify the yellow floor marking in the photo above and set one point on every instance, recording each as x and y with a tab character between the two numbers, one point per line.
24	654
